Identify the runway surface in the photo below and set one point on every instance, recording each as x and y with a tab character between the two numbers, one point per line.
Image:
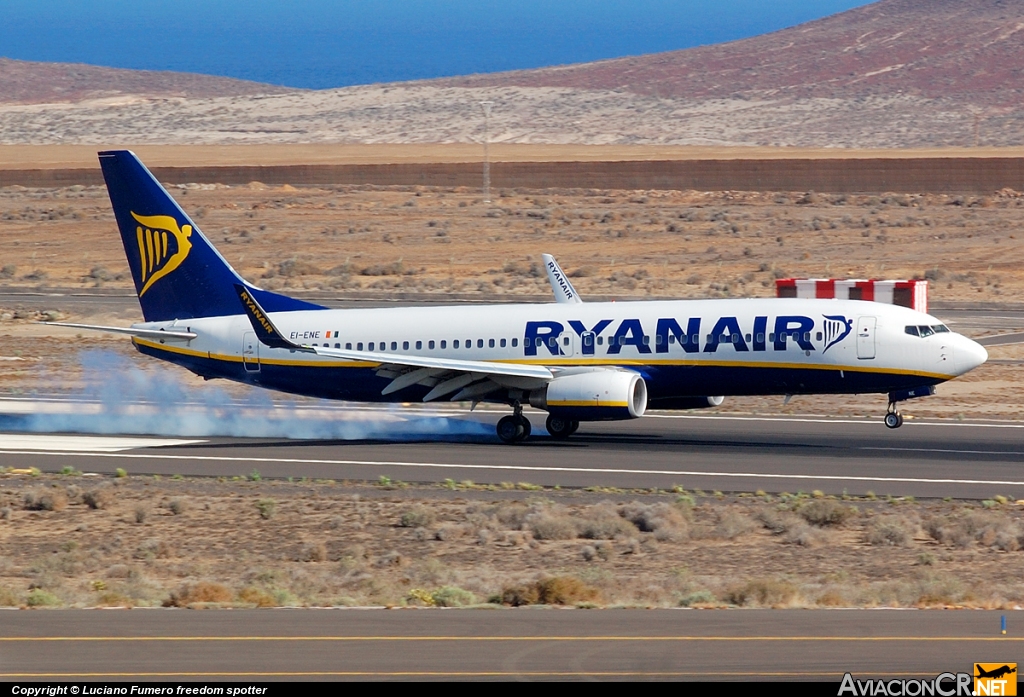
540	644
726	453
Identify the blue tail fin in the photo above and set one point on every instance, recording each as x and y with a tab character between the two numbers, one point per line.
178	273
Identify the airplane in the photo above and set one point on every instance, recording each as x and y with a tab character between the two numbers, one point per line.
578	361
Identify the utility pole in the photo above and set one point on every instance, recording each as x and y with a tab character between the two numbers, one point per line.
487	159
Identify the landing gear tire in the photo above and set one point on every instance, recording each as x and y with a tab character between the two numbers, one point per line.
513	428
510	429
560	428
894	419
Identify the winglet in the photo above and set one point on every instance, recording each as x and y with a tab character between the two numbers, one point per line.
560	285
264	328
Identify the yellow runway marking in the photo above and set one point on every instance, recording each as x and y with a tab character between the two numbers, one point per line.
516	638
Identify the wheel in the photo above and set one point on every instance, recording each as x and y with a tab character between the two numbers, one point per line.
893	419
510	429
527	428
575	427
559	428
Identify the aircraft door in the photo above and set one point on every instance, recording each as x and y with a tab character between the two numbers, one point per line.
250	352
587	343
865	337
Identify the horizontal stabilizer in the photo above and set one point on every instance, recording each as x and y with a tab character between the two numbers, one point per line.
132	331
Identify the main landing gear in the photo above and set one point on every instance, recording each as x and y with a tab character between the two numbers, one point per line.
893	418
560	428
515	427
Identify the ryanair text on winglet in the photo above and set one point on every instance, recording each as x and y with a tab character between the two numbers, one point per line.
255	310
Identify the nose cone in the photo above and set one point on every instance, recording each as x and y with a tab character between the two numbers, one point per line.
968	355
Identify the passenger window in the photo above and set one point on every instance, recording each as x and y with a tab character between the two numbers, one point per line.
444	344
503	343
480	343
807	336
455	344
348	346
370	346
760	337
469	343
912	330
600	341
405	345
748	337
552	342
430	344
515	342
419	345
771	336
359	346
818	336
337	346
394	345
735	338
490	343
526	342
647	340
711	338
695	339
588	339
671	338
724	338
565	341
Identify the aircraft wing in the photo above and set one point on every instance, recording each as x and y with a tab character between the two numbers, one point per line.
560	284
133	331
468	379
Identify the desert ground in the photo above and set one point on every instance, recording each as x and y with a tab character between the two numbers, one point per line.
72	540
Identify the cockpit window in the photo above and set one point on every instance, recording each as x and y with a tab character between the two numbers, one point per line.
924	330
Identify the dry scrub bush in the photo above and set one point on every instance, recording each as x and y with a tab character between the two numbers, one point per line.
888	531
557	590
177	506
257	597
202	592
763	593
603	522
988	529
8	598
153	548
551	525
452	596
267	508
417	517
97	499
731	524
45	500
826	512
665	520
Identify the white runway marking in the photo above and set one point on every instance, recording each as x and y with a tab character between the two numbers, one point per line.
81	445
516	468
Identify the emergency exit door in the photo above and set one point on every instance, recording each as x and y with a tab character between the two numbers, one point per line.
251	353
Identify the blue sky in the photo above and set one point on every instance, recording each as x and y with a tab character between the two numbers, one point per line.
331	43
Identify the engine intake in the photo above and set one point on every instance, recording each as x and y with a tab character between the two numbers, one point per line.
602	395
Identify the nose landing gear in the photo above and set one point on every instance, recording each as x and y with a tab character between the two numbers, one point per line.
514	428
893	418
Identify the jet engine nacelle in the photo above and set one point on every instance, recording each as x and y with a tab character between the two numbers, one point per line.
600	395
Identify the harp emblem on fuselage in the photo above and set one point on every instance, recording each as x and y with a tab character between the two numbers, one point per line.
162	247
837	328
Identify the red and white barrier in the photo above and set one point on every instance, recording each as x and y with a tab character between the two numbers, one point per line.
912	294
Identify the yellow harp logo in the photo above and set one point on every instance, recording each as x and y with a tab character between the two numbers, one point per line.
162	246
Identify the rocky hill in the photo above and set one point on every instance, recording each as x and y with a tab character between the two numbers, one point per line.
26	82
